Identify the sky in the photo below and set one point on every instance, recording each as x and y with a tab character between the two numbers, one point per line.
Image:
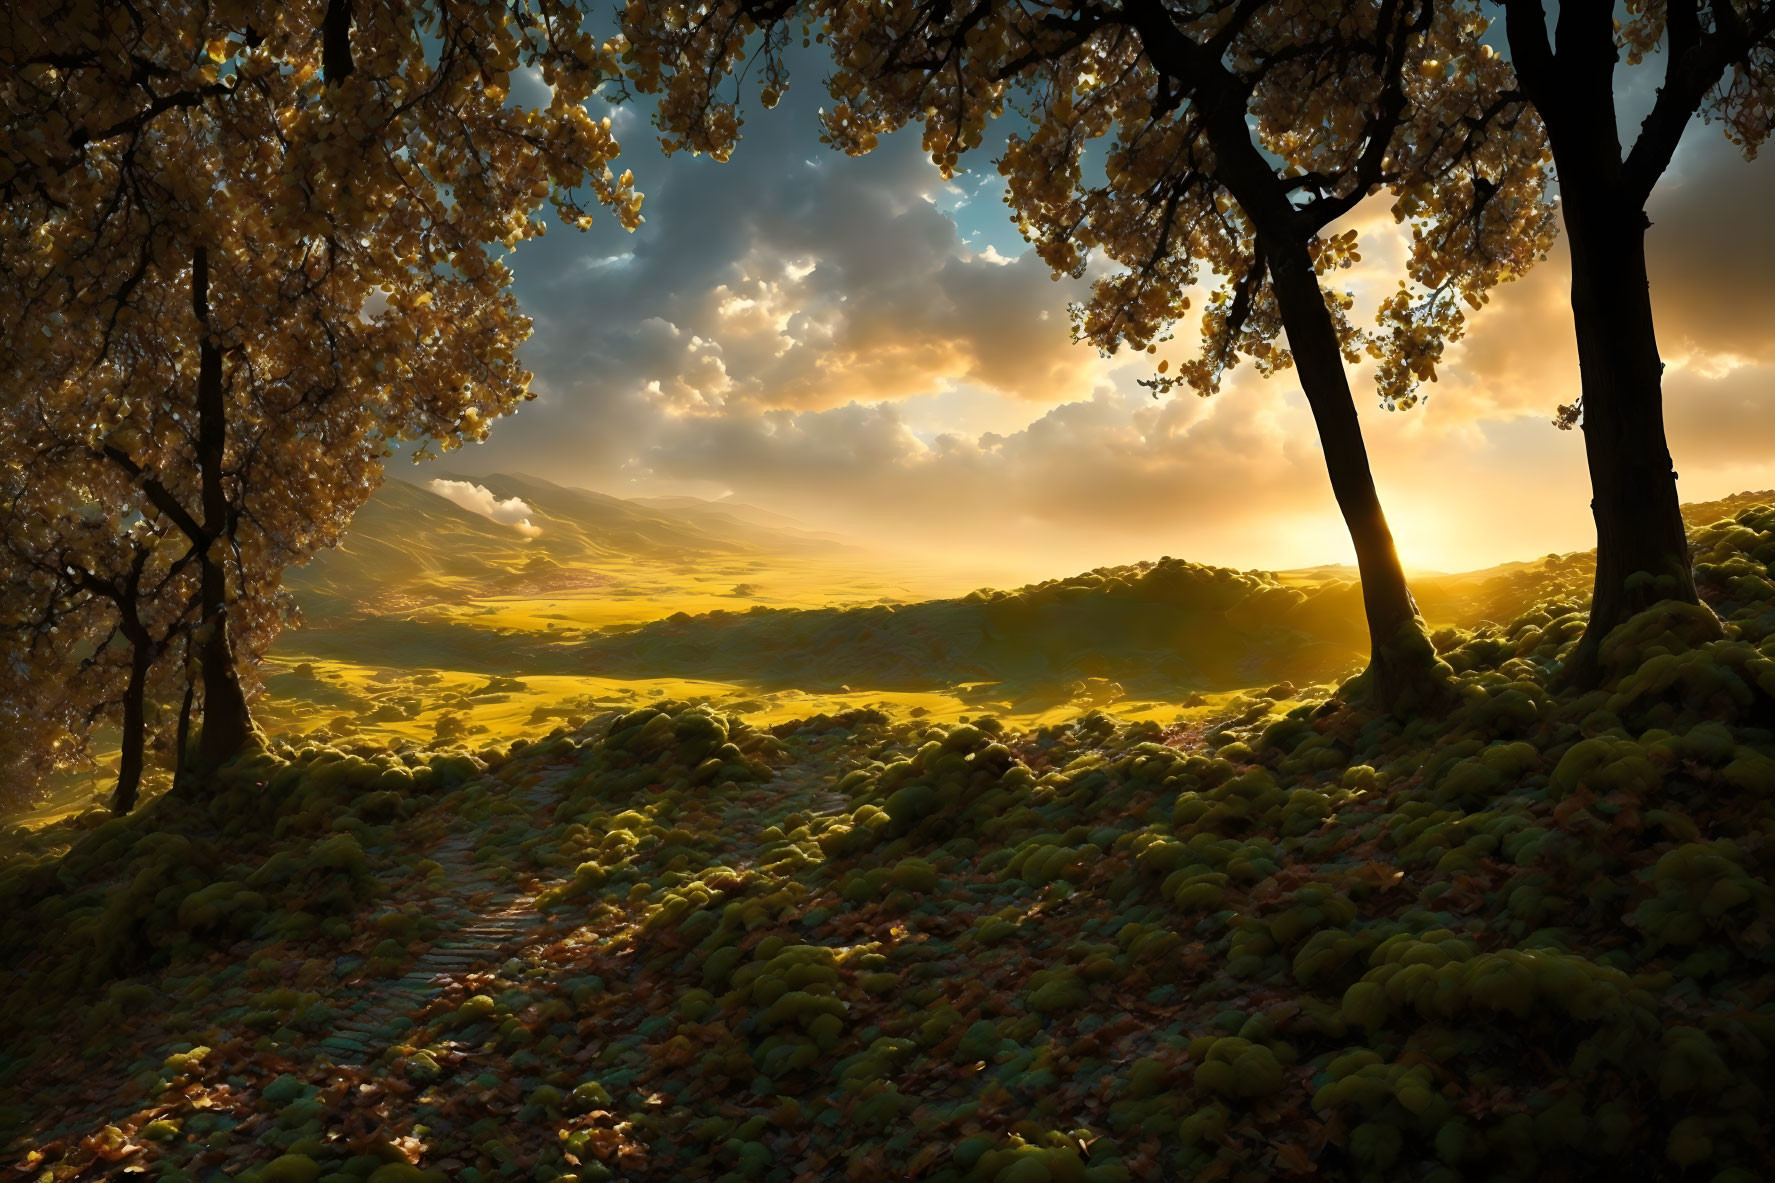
873	351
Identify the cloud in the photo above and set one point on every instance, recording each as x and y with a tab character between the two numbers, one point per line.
872	350
793	278
1117	468
1711	252
1721	419
510	511
839	286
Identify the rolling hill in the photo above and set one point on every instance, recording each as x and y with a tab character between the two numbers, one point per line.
617	599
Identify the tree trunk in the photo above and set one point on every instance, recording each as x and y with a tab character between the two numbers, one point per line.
129	764
182	737
1404	674
1642	548
336	62
227	724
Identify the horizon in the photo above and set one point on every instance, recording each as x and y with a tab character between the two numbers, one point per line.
1027	571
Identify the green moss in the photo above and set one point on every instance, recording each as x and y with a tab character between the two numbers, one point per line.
291	1168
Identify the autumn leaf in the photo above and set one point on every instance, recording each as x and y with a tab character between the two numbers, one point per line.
1292	1156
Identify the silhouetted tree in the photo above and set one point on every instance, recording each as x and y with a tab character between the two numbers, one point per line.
1241	134
1719	61
92	597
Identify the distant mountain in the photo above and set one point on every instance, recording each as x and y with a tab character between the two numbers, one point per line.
409	546
674	529
1155	629
693	523
724	511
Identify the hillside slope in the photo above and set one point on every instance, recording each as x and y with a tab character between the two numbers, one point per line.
788	631
1162	630
1165	628
1529	939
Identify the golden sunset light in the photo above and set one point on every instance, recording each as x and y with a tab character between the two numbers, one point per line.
772	591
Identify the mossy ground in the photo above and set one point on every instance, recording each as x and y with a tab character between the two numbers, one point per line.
1529	939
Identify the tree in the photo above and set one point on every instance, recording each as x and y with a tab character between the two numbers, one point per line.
249	246
1719	62
1242	134
92	598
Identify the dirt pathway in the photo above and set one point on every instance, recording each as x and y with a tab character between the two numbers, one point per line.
381	1010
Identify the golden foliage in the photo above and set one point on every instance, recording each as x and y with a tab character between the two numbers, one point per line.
319	212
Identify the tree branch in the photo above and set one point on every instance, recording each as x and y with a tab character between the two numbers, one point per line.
1322	211
1530	52
1694	64
135	123
159	496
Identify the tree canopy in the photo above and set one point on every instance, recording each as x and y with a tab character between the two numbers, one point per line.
248	247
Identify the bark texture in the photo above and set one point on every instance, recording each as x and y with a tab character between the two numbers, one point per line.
130	760
1642	546
227	723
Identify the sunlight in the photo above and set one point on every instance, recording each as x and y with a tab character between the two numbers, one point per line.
867	676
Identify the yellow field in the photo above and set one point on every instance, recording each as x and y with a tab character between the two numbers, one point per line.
433	626
636	591
392	705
